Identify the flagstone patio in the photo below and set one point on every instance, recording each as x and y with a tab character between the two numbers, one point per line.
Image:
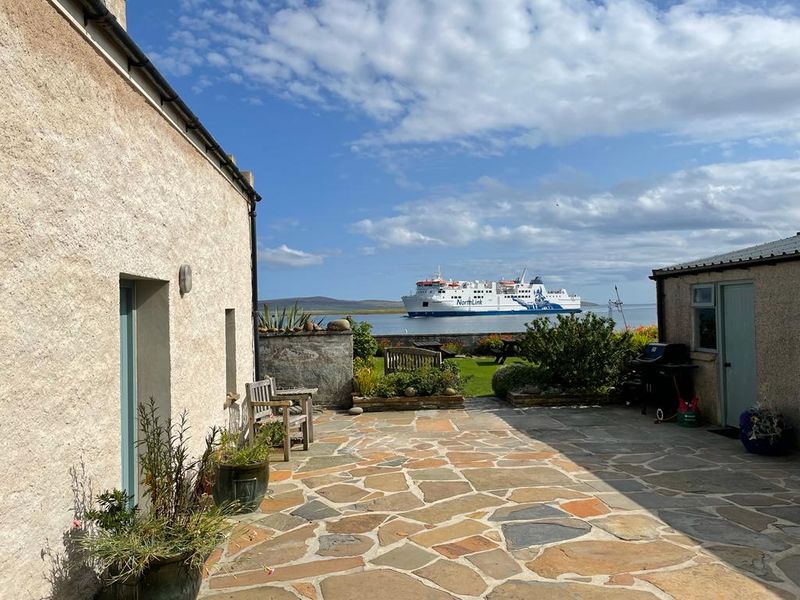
502	503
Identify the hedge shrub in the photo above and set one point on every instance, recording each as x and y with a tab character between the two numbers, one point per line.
514	377
427	381
364	345
488	343
578	353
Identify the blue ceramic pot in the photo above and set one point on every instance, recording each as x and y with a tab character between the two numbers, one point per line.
775	446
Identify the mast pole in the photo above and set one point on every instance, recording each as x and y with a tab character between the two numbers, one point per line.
619	305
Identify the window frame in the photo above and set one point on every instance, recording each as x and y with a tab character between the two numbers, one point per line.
699	286
698	306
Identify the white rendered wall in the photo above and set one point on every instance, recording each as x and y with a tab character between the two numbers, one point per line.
95	183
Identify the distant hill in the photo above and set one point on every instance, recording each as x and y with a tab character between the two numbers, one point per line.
333	305
323	304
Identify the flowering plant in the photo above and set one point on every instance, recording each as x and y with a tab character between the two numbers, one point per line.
766	423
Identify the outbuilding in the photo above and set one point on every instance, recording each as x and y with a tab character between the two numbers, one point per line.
738	313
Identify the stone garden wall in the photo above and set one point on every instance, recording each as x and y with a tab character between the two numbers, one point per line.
468	340
321	359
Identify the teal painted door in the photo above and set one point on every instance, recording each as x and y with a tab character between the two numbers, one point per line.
127	377
739	364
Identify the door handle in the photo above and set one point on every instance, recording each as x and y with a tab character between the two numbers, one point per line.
727	364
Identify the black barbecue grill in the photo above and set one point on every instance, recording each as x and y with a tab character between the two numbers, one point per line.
659	375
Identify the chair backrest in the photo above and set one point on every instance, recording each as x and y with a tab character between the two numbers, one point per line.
409	359
262	391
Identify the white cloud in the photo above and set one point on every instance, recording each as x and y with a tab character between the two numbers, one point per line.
602	235
283	256
488	73
216	59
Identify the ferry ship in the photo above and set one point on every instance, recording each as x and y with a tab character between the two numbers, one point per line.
439	297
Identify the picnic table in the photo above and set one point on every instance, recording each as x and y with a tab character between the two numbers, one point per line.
510	347
436	347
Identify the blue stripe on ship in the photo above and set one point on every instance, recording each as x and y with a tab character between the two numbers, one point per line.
461	313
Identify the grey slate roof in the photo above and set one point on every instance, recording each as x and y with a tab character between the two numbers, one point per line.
784	249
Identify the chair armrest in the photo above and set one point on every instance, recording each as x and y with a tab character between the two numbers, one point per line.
272	403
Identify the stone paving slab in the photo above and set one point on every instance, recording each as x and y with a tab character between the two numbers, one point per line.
516	503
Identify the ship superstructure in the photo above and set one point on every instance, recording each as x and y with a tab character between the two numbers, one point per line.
439	297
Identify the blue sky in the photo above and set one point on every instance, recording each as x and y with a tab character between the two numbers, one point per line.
589	141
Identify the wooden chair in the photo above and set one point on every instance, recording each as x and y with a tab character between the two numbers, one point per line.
261	408
304	397
409	359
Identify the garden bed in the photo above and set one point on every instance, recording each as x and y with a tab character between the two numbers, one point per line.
377	403
521	399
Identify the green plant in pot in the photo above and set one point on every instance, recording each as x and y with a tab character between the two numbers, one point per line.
157	552
764	430
241	473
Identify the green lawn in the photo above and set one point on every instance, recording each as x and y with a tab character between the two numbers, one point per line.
478	370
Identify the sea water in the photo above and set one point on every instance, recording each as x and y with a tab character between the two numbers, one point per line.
383	324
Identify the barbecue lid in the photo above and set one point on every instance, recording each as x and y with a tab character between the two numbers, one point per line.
661	352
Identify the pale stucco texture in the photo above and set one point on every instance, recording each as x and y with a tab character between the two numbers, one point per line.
777	334
322	360
96	185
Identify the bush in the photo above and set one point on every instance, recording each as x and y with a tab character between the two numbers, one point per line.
383	344
180	519
513	377
230	452
272	433
365	377
486	344
427	381
578	353
393	384
454	347
364	345
643	335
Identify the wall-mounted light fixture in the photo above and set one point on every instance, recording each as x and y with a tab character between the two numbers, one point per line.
185	279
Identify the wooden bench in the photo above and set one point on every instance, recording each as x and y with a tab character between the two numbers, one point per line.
409	359
262	408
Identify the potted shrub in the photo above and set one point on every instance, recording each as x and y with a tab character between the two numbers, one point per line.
241	471
157	552
764	430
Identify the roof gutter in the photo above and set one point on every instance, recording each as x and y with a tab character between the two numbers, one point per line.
95	11
254	291
740	264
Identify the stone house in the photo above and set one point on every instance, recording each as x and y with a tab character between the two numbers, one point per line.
114	198
738	313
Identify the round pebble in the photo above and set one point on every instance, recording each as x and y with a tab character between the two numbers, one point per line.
356	410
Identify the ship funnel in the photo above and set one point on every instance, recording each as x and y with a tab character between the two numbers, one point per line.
522	277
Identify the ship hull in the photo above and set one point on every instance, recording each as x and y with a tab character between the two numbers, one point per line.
478	313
